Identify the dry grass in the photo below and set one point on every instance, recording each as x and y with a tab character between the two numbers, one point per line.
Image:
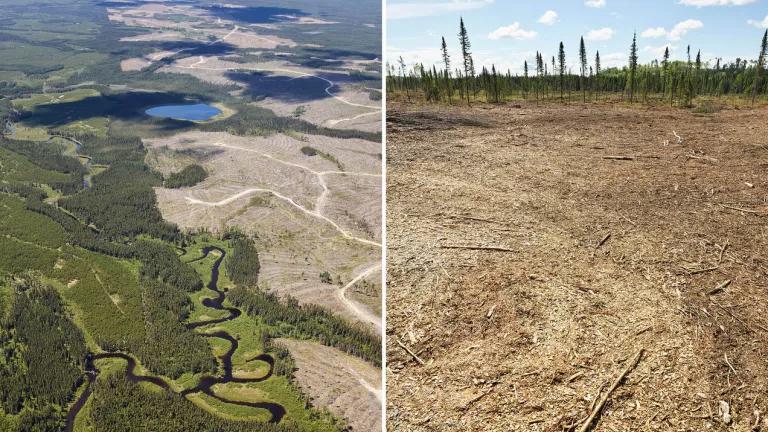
525	336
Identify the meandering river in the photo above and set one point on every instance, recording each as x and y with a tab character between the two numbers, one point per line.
206	383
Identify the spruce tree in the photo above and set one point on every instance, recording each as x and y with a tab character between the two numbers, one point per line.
597	72
447	72
583	58
525	81
561	68
632	68
469	67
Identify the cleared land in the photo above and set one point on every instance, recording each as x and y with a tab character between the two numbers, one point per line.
312	213
348	386
534	251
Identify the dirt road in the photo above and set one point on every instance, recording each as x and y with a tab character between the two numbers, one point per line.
533	251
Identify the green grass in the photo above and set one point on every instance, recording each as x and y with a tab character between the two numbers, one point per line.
229	411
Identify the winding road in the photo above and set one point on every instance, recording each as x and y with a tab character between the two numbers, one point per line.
316	213
362	312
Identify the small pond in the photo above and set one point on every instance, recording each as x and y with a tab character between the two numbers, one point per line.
193	112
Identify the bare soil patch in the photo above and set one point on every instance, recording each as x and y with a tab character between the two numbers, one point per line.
533	251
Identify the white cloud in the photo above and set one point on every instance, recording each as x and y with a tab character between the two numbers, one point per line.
759	24
613	59
658	51
704	3
595	3
431	8
678	31
513	31
683	27
654	32
602	34
549	18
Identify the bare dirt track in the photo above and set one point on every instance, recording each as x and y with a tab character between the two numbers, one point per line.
528	265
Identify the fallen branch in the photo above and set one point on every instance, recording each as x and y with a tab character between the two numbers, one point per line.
708	269
601	242
596	410
488	248
720	287
741	209
408	350
722	251
619	157
477	219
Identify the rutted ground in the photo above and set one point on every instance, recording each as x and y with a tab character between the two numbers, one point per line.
339	372
528	266
312	213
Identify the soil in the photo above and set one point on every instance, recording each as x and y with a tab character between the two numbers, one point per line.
527	266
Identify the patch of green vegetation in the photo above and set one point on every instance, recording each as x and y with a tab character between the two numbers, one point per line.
230	411
708	107
311	151
27	226
242	264
32	101
17	168
189	176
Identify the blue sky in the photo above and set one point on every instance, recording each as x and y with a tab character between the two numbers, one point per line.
507	32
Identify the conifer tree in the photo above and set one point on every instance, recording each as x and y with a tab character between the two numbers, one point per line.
447	72
632	68
469	67
561	68
597	72
525	81
583	59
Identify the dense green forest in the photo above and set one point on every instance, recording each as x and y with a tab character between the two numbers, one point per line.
160	261
189	176
121	202
170	348
48	156
43	355
308	322
242	265
677	83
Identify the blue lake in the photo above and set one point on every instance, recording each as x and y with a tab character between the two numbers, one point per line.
195	112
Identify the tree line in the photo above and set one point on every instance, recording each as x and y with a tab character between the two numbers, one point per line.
290	319
669	81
